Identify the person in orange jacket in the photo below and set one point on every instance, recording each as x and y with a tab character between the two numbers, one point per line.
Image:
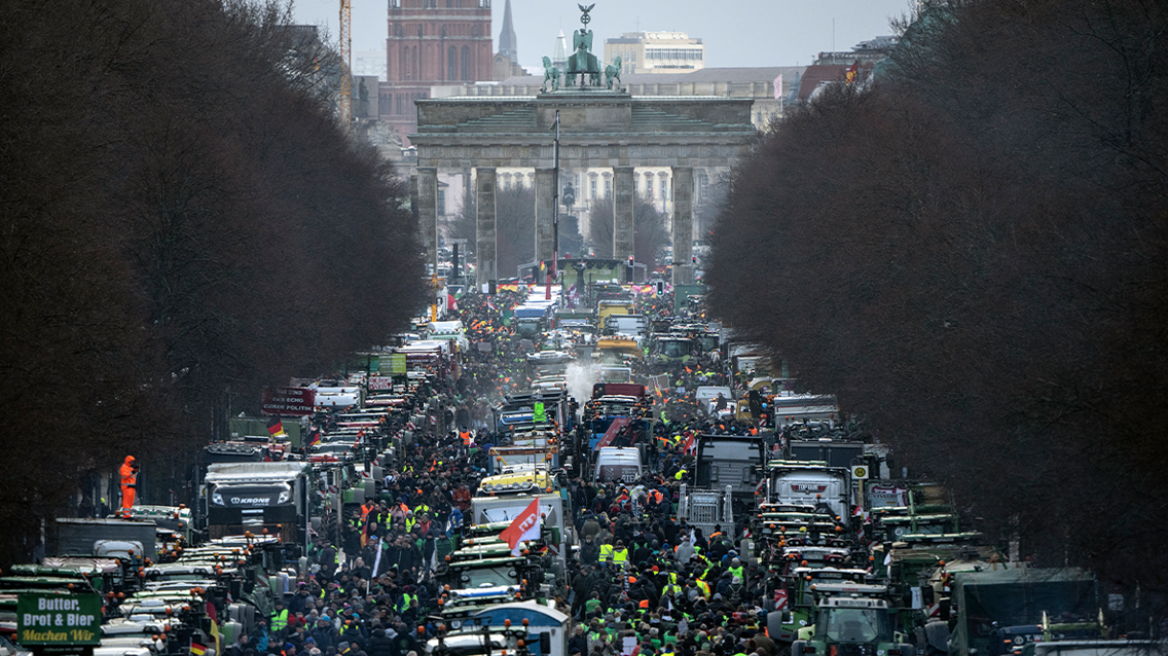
129	473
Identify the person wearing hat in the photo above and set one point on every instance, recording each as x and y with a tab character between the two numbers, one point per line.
737	571
328	559
322	633
129	479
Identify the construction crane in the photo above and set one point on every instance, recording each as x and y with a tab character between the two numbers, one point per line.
346	62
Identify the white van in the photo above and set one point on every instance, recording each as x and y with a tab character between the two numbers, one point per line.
705	394
617	463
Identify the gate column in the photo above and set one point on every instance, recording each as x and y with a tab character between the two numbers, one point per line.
623	212
544	208
485	255
683	186
428	213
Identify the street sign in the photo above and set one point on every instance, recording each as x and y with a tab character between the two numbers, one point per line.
860	472
58	620
288	401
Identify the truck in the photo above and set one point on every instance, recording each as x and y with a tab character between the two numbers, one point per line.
705	509
613	403
672	349
728	468
810	483
984	600
557	516
240	497
105	538
547	627
799	408
731	460
609	307
835	452
626	324
483	572
1097	648
615	350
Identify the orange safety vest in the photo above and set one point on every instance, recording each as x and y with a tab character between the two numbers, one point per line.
129	480
465	435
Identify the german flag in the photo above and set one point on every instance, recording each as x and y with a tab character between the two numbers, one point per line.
852	73
275	426
197	649
315	438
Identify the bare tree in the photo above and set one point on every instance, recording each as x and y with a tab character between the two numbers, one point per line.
969	252
650	234
185	224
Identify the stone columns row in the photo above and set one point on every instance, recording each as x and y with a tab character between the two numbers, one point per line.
623	218
424	197
624	184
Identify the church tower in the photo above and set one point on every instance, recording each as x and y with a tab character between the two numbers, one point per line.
431	43
508	44
507	57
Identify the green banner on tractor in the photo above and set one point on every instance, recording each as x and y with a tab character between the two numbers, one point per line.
58	620
394	364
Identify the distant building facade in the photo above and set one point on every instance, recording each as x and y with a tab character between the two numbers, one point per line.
431	43
865	52
656	52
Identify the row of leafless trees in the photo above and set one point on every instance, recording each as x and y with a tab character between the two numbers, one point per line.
183	223
972	252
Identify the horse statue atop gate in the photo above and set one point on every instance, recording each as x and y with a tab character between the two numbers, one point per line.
612	73
550	74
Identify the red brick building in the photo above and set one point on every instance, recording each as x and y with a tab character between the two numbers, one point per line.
432	42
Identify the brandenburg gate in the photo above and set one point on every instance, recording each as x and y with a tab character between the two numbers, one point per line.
600	127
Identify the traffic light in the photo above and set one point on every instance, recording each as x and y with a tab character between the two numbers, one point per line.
632	266
660	287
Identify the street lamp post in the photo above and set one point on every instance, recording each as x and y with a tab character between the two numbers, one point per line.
553	273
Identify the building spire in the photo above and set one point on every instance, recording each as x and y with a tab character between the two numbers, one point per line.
560	52
508	43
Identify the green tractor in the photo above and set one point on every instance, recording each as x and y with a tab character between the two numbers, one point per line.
852	620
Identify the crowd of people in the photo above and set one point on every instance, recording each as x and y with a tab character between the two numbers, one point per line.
642	581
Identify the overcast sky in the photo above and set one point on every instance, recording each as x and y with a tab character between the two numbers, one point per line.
735	32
